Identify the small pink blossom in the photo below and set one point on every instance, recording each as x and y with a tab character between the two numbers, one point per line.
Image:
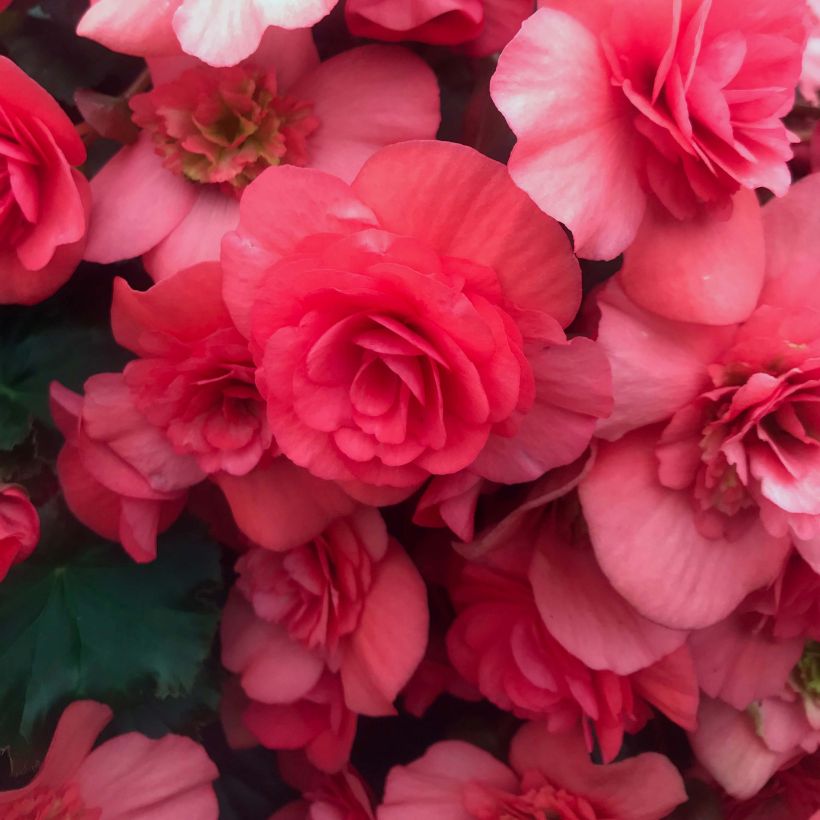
19	527
119	474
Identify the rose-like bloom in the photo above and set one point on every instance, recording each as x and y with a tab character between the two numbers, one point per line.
208	132
352	598
194	379
480	27
219	32
340	796
19	527
44	201
500	643
286	698
689	516
792	792
682	107
547	777
405	327
129	777
119	474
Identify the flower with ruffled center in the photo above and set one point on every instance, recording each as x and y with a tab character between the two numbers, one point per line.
225	125
317	591
749	445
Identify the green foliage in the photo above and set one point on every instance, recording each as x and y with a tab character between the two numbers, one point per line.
85	621
37	348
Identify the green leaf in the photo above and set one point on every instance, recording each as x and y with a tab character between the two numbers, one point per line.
87	622
36	350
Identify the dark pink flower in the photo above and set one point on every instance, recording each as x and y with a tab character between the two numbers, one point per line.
681	107
547	777
119	474
127	776
288	699
501	644
406	328
479	26
219	32
44	199
208	132
343	618
352	596
19	527
194	379
699	504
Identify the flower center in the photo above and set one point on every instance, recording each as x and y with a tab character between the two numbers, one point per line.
50	804
225	126
807	671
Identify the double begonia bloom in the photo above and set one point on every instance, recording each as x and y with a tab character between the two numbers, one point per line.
129	777
194	378
480	27
697	506
208	132
500	643
19	527
547	777
345	612
44	199
218	32
407	326
119	473
681	109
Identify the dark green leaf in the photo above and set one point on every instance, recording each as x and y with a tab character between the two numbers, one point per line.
88	622
34	351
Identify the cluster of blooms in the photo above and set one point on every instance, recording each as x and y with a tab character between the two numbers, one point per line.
620	500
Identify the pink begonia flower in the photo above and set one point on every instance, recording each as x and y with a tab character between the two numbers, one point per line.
119	474
4	4
409	326
343	618
287	699
792	793
480	27
207	132
810	79
340	796
194	378
219	32
681	109
451	501
129	777
19	527
44	199
698	507
353	598
548	776
501	644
